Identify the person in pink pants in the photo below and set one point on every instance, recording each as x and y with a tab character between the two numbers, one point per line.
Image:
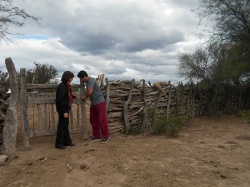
98	113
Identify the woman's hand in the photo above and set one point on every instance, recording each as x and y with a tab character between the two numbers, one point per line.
66	115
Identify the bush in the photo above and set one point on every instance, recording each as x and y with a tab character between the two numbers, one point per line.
175	124
246	115
170	126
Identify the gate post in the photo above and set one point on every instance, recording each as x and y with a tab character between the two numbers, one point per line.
11	122
83	110
23	97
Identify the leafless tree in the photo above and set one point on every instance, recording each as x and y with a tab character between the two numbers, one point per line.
10	17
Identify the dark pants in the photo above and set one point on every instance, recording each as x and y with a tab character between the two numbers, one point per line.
63	137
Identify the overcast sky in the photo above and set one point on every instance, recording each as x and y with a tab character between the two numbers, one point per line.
125	39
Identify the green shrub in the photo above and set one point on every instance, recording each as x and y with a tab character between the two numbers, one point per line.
246	115
175	124
170	126
159	126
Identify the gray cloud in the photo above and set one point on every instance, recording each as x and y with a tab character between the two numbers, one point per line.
119	38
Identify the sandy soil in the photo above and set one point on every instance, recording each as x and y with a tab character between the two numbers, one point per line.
208	152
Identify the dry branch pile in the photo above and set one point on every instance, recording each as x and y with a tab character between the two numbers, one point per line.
3	108
129	102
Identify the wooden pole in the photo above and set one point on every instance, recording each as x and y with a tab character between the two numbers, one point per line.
11	122
143	127
107	93
177	99
23	93
169	100
83	110
125	108
156	107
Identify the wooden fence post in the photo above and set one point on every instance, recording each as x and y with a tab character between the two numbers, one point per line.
177	99
125	108
83	110
169	99
143	127
11	122
107	94
156	107
23	97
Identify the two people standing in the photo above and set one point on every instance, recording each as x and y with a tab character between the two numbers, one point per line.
98	114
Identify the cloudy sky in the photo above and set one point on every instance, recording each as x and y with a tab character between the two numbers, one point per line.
125	39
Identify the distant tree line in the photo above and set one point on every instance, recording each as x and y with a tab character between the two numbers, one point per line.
223	62
40	74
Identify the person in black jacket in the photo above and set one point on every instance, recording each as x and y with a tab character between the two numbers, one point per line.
64	99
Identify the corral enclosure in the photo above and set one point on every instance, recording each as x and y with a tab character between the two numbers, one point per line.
131	105
215	150
128	104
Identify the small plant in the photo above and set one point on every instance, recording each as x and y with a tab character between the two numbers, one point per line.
246	115
170	126
175	124
159	125
134	131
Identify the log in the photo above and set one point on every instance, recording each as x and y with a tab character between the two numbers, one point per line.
125	109
23	95
47	86
11	122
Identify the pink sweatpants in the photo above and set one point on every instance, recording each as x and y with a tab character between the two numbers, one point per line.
99	121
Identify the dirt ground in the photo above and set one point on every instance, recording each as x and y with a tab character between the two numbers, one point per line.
208	153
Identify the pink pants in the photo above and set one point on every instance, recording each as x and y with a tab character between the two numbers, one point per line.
99	121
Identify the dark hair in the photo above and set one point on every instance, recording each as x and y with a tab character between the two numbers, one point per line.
66	76
82	74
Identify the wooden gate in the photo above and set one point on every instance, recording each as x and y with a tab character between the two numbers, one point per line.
39	111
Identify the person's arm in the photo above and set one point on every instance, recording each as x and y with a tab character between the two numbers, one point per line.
87	94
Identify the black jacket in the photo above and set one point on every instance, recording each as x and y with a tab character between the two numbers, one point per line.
62	98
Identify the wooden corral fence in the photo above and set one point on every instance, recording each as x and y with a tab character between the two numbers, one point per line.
130	102
128	105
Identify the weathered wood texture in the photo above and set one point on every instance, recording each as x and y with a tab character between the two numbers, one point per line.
130	105
11	122
42	110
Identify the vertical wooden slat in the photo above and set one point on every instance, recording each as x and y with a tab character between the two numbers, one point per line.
125	108
39	117
156	107
78	115
53	126
71	118
11	121
83	110
45	116
107	94
169	99
177	100
143	127
23	97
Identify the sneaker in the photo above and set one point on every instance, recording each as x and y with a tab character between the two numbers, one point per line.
105	140
93	139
